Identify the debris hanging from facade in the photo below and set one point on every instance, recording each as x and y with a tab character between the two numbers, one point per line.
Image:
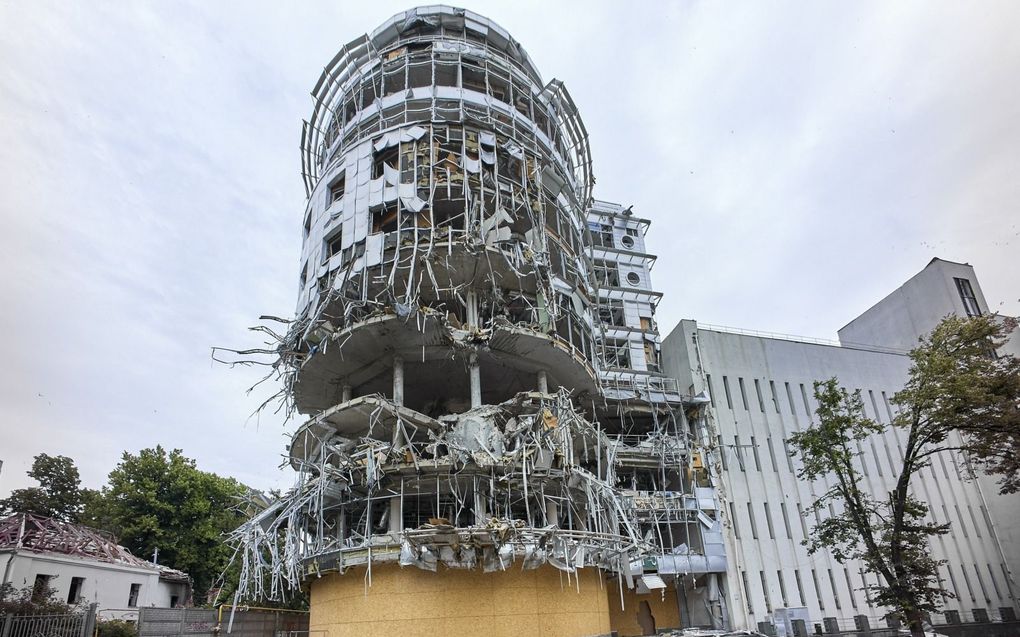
474	344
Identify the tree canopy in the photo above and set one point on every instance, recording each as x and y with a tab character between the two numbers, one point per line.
959	385
59	494
160	500
960	396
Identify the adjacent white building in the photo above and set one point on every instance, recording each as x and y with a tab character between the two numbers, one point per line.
83	566
761	389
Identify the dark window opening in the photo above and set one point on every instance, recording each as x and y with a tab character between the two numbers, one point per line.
133	595
446	73
41	587
385	219
473	78
386	157
743	393
500	88
757	390
74	593
448	214
173	601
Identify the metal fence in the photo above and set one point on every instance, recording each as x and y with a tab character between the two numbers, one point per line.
80	624
240	622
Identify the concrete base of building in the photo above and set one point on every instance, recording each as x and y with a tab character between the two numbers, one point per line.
413	603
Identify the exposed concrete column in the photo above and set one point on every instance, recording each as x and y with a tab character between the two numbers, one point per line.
543	382
396	518
341	527
398	380
345	393
476	381
472	309
552	512
481	517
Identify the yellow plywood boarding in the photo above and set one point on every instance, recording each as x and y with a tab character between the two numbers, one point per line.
664	610
411	602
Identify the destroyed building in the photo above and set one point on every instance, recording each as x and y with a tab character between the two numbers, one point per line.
84	566
490	440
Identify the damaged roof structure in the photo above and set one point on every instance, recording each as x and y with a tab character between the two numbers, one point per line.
476	356
84	565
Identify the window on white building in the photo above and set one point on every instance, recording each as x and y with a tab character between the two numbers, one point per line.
133	595
337	188
970	304
74	592
41	586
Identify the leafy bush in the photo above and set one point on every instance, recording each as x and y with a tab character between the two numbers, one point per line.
116	628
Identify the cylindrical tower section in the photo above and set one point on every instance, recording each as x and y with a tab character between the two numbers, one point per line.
447	188
442	345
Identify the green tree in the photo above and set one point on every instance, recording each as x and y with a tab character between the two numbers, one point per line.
959	396
59	494
159	500
31	600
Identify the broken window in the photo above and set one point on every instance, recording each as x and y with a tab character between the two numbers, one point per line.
617	353
651	357
407	166
41	587
446	73
611	312
627	241
633	278
384	219
387	157
447	214
473	77
602	235
337	188
510	162
133	595
333	244
520	309
607	274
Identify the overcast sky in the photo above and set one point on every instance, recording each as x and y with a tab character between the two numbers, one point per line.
799	161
